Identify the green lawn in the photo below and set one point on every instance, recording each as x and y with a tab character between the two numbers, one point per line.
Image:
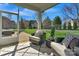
30	31
58	33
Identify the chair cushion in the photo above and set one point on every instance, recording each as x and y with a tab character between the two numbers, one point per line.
73	43
61	49
38	38
76	51
34	40
67	39
39	33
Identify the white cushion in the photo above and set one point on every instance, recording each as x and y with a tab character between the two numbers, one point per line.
61	49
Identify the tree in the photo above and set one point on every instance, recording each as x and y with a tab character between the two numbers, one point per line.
69	26
64	26
75	25
32	24
72	12
47	23
57	22
53	32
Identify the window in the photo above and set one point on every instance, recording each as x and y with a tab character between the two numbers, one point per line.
8	24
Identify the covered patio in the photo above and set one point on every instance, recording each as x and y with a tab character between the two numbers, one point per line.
20	43
23	49
38	7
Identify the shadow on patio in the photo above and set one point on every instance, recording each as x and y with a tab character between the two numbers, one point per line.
23	49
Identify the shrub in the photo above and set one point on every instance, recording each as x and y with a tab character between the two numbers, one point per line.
75	25
52	32
57	22
64	26
69	26
59	39
44	36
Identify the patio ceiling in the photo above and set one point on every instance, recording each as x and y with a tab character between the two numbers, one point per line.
40	7
36	6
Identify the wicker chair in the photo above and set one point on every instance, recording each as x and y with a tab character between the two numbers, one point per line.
68	47
38	37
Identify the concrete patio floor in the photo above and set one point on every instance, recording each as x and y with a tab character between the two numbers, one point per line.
25	49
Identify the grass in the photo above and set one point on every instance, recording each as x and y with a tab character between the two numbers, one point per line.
62	33
30	31
58	33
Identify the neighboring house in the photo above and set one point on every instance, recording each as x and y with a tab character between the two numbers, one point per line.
33	24
66	22
28	24
13	24
77	21
47	23
24	24
7	23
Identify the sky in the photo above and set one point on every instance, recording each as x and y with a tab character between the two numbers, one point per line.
24	13
28	14
58	11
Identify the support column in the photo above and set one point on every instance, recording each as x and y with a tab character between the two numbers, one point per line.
39	20
18	20
18	29
0	25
